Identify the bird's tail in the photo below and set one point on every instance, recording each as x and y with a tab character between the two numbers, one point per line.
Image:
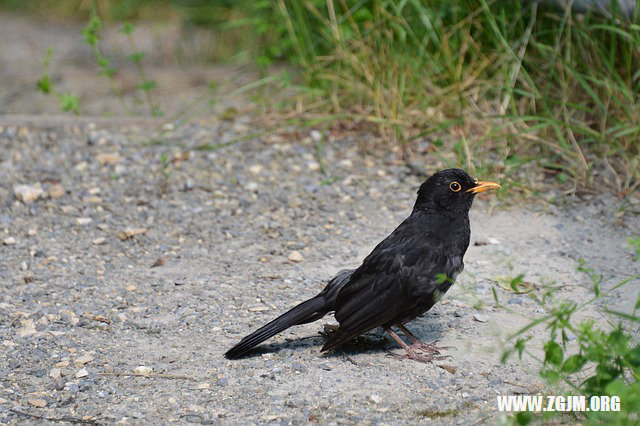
305	312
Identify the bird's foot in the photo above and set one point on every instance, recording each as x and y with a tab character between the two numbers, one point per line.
420	357
429	348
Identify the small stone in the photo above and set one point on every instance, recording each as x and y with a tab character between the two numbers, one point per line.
28	328
313	166
295	256
9	241
376	399
480	318
203	385
131	232
82	373
172	400
255	169
56	190
251	186
315	135
109	158
79	362
28	193
142	370
40	403
32	232
84	220
99	241
55	373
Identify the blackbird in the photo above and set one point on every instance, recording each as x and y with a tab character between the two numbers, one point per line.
402	278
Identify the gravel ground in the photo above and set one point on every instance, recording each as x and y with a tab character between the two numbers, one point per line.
137	266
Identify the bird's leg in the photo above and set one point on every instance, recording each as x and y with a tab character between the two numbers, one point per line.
411	354
416	343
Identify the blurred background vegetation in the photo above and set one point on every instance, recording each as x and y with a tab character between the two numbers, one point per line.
498	84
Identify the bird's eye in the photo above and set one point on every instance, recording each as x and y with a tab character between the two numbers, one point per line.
455	186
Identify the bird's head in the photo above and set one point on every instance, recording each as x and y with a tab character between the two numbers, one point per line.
451	191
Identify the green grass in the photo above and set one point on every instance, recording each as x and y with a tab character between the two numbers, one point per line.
501	86
604	360
500	81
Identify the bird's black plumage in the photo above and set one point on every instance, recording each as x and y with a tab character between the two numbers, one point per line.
403	277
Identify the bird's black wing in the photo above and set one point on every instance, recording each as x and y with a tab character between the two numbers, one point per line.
401	273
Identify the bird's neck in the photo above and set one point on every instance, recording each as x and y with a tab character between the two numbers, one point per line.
450	226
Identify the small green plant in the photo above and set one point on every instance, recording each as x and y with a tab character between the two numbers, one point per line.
634	244
146	86
92	36
68	101
602	361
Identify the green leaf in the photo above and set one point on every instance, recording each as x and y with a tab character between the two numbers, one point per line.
573	363
127	28
147	85
91	31
70	102
136	57
44	84
553	353
495	295
633	356
442	278
213	86
524	418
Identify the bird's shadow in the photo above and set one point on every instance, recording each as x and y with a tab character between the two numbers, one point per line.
371	342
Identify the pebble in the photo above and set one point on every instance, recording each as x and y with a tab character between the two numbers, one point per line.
131	232
142	370
376	399
85	359
56	191
255	169
9	241
82	373
84	220
99	241
55	373
40	403
28	193
480	318
295	256
28	328
108	158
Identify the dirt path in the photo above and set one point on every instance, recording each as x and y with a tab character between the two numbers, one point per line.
81	307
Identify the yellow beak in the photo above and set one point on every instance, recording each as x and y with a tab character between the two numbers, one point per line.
483	186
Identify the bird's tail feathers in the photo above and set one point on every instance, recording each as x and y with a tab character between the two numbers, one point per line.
305	312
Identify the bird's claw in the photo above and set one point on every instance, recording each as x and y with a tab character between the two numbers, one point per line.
429	348
424	358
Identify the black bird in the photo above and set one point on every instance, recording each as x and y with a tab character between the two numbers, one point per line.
402	278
